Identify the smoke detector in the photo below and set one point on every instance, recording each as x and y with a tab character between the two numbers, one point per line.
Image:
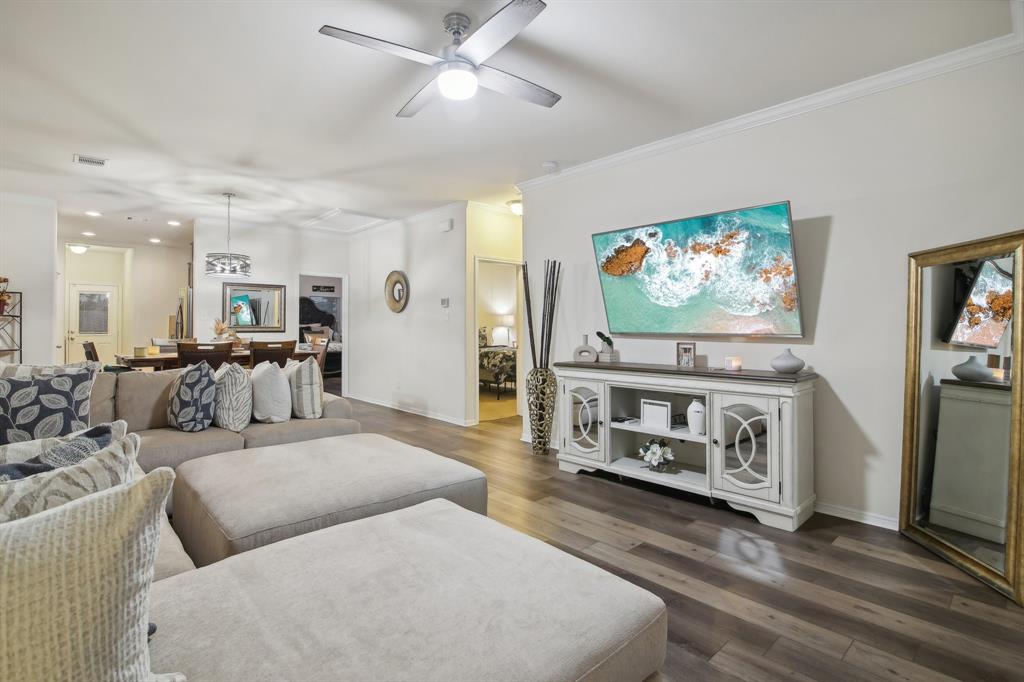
89	160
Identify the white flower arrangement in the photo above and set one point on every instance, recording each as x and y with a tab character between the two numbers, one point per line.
656	453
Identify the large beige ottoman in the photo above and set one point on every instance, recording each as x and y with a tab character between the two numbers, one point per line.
431	592
232	502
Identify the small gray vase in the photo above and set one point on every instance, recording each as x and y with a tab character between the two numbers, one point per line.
972	370
787	363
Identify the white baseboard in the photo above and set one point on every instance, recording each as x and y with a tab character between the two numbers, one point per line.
888	522
458	421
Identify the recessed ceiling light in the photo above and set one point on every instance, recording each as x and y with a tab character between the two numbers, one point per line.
93	214
78	249
88	234
174	223
154	240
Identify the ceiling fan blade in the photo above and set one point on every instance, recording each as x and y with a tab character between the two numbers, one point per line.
497	31
427	94
507	84
382	45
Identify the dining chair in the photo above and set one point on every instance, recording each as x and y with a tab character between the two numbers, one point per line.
216	353
272	351
320	344
90	351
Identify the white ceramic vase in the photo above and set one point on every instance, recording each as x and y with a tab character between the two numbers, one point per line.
972	370
787	363
585	352
695	417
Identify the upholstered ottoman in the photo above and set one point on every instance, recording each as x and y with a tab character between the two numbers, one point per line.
233	502
431	592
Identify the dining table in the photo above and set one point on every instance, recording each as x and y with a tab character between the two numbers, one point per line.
169	360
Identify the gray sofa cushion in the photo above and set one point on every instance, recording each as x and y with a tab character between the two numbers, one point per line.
236	501
101	402
170	447
426	593
171	558
142	398
258	435
336	406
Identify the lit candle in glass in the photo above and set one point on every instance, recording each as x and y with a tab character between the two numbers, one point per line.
733	362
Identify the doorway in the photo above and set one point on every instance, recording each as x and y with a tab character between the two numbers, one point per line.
497	307
322	311
93	315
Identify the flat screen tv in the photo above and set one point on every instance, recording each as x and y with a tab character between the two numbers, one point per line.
725	274
985	312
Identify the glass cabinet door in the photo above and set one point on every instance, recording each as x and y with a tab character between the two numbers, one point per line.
745	446
583	419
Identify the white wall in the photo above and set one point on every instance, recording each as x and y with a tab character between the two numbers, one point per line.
279	256
413	360
28	252
930	163
155	275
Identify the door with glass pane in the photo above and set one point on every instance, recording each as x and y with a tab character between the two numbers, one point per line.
583	420
745	445
93	315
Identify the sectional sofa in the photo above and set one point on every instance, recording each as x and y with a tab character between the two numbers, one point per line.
140	398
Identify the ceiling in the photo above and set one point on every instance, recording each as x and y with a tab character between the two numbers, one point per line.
188	100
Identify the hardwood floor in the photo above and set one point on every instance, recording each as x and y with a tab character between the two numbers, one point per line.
836	600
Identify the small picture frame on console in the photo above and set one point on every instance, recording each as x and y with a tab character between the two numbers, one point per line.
686	354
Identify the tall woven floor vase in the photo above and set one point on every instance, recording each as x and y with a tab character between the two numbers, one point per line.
541	389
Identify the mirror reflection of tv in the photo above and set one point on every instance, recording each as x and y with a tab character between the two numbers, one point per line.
985	311
725	274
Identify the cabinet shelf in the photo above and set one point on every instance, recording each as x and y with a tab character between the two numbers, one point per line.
696	481
675	434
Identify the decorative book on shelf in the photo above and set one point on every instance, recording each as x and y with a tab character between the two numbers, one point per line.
11	329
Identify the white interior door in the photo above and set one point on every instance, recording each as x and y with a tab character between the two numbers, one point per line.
93	315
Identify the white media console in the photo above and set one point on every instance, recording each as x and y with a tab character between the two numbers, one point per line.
757	452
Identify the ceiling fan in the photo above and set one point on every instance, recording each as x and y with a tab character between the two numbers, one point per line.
460	67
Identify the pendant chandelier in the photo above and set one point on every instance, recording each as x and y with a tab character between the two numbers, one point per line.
228	264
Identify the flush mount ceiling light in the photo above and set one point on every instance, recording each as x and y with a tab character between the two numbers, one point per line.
228	264
93	214
78	249
154	240
516	206
456	80
88	234
174	223
459	67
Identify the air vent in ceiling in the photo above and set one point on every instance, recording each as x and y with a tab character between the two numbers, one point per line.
90	160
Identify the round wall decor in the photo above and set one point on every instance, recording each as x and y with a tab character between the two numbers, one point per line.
396	291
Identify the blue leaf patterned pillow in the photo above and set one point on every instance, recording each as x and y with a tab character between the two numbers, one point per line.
44	407
192	398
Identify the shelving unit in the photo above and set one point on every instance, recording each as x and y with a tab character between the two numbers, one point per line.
11	329
756	452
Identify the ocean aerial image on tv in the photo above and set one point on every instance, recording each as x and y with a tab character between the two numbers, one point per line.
726	273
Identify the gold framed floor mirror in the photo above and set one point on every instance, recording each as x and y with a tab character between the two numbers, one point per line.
961	493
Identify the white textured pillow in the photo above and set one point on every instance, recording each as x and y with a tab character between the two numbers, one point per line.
232	409
271	397
307	388
111	466
16	371
74	584
22	452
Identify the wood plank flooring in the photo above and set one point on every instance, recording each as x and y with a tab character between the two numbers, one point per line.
836	600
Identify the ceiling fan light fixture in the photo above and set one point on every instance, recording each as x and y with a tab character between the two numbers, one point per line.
456	80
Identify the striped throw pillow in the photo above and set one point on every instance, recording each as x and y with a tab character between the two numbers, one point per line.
233	406
307	388
107	468
75	580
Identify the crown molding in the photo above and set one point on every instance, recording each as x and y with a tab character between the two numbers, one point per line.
990	50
